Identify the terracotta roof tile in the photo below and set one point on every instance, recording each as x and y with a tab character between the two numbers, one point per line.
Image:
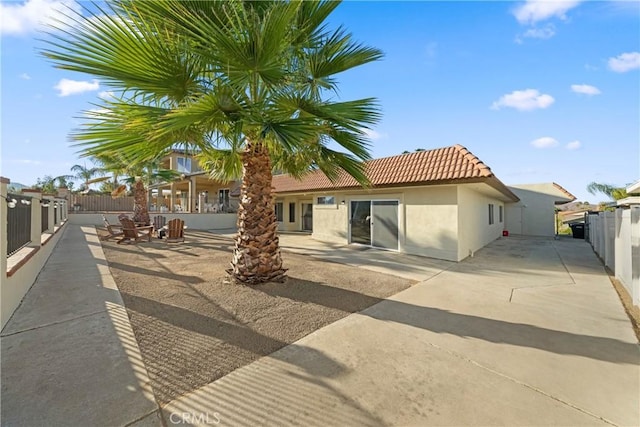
423	167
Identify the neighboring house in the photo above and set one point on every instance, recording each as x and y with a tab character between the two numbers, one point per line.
534	214
443	203
194	191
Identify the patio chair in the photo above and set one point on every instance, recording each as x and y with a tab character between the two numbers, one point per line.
175	231
159	221
133	234
114	230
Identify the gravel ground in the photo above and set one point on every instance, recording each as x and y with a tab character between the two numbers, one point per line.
193	326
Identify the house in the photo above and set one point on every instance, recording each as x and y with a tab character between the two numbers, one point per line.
443	203
535	213
194	191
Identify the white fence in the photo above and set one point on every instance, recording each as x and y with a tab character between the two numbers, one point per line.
615	237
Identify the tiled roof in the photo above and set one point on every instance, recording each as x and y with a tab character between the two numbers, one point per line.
423	167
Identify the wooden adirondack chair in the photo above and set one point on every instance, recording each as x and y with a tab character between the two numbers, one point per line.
175	231
133	234
159	221
114	230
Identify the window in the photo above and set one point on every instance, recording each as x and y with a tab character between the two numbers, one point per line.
223	197
292	212
500	213
491	214
279	213
326	200
184	164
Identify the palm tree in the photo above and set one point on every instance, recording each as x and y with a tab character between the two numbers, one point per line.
85	174
615	193
138	176
50	184
246	83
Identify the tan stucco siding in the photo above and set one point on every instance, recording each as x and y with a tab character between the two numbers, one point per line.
533	215
430	222
330	222
474	230
286	224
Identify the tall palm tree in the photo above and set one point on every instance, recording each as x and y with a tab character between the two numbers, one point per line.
247	83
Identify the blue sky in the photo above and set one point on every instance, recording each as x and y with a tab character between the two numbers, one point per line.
540	91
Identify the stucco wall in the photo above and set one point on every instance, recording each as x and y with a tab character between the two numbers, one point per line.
430	221
474	230
533	215
330	222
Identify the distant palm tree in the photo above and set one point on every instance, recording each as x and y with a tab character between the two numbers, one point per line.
139	177
86	174
247	83
615	193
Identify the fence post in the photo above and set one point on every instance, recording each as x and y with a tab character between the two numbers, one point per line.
50	211
61	210
4	183
36	216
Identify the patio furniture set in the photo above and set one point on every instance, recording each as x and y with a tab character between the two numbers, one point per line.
130	232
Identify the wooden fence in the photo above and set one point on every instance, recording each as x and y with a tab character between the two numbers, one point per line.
99	203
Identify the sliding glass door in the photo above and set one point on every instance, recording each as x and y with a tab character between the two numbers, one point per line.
374	223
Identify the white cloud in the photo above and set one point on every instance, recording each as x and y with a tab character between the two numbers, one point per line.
24	18
25	76
106	94
625	62
586	89
524	100
68	87
544	142
545	32
533	11
373	135
573	145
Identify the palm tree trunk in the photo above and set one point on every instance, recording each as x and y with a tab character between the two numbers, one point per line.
140	210
256	256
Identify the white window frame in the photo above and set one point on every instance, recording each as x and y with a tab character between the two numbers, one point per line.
183	168
275	208
324	204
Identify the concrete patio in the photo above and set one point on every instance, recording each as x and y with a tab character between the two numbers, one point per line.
528	332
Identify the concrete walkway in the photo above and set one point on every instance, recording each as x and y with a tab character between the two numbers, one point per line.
69	356
528	332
